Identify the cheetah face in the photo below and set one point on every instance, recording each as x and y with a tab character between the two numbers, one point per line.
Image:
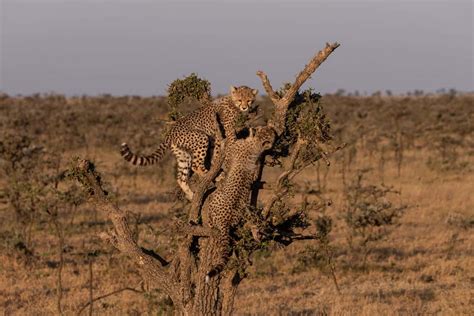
265	136
243	97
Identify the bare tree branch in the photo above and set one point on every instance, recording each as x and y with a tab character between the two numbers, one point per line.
281	188
187	229
282	104
268	87
152	268
107	295
290	172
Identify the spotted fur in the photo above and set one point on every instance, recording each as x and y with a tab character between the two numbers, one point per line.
225	207
190	137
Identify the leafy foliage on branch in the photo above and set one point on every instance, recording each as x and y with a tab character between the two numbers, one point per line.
191	87
75	173
305	120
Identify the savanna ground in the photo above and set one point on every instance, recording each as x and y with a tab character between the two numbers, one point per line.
419	261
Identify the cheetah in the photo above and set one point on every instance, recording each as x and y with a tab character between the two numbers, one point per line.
190	137
225	207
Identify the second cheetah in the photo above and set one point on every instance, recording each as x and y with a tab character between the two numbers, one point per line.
225	207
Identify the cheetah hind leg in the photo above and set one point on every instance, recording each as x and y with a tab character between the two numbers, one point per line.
199	153
184	166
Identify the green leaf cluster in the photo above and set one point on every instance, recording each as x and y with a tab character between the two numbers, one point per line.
190	87
305	119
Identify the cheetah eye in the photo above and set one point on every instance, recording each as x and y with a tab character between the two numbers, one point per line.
249	102
239	102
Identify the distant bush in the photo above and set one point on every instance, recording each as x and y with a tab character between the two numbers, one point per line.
368	214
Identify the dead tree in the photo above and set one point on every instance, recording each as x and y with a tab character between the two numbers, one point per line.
301	130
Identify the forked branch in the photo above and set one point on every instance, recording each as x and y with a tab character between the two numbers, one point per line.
282	103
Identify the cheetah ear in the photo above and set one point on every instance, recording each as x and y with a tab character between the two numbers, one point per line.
233	89
254	91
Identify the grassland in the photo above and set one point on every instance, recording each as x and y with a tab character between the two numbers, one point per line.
420	146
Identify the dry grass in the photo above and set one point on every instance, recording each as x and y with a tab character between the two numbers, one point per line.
423	265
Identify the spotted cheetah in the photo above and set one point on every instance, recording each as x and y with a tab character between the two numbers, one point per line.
189	138
225	207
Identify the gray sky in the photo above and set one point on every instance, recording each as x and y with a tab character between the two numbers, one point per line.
139	47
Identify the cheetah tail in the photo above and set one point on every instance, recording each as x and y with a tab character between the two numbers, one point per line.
224	251
156	156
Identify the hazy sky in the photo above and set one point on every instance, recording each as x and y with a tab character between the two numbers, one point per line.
139	47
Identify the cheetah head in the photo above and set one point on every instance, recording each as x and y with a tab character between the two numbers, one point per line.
264	136
243	97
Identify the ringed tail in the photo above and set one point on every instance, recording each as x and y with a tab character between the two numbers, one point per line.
156	156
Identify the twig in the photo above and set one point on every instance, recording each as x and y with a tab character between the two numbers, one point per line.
281	187
332	267
268	87
91	280
105	296
193	230
59	285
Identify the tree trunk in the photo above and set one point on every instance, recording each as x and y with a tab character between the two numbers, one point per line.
215	297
